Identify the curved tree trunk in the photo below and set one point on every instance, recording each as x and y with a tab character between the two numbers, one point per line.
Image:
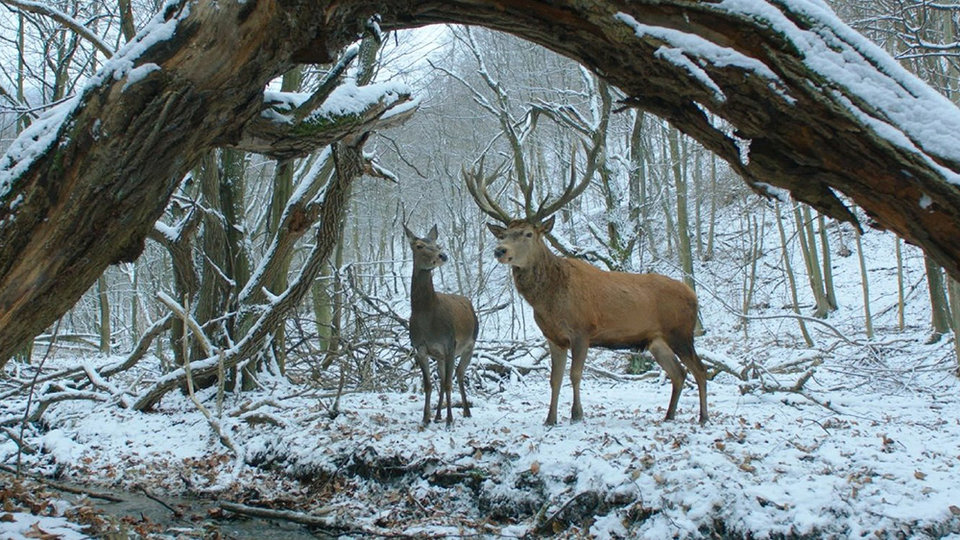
81	189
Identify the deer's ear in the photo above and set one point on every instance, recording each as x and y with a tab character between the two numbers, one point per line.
410	236
497	231
547	225
433	234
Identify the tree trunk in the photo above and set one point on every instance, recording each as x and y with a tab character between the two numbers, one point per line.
88	196
791	280
808	247
282	191
827	263
104	321
953	288
684	247
865	285
939	315
901	297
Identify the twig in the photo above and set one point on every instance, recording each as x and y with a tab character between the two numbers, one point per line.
176	513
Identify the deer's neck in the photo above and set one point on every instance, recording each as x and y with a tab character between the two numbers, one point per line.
422	294
539	282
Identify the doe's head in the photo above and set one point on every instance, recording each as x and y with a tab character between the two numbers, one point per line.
427	253
519	242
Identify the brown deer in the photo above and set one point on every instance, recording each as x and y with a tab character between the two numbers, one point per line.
442	326
577	305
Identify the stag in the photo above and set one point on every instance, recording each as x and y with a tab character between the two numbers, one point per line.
578	306
442	326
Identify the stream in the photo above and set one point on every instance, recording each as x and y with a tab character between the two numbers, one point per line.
192	518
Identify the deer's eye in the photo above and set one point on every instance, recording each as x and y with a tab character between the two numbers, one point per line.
529	234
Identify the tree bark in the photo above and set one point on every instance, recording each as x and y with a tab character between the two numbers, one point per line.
89	195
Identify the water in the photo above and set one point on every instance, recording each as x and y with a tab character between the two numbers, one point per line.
186	517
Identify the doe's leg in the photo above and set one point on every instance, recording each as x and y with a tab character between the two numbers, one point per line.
461	370
424	362
448	386
441	377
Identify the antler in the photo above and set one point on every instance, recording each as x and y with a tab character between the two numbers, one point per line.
573	188
477	186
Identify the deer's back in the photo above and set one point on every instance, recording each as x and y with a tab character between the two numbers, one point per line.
616	309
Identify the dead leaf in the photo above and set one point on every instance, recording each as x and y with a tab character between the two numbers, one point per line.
919	475
535	467
36	532
955	510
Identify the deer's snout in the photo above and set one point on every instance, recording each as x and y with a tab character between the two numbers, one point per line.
500	253
442	257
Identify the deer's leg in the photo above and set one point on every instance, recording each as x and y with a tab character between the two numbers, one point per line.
424	362
558	362
461	370
448	386
696	367
578	350
664	356
441	379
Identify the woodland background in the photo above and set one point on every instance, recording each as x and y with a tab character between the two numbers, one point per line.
658	201
765	270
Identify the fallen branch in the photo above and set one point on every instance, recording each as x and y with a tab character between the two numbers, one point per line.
158	327
313	520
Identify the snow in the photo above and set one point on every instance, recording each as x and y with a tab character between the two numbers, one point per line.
894	95
139	73
31	144
871	444
350	99
685	45
24	526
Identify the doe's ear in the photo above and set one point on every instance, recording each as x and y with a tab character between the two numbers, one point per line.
410	236
497	231
547	225
433	234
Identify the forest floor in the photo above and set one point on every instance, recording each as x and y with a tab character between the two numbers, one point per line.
854	440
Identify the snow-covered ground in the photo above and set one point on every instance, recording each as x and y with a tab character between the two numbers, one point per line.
850	438
845	458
